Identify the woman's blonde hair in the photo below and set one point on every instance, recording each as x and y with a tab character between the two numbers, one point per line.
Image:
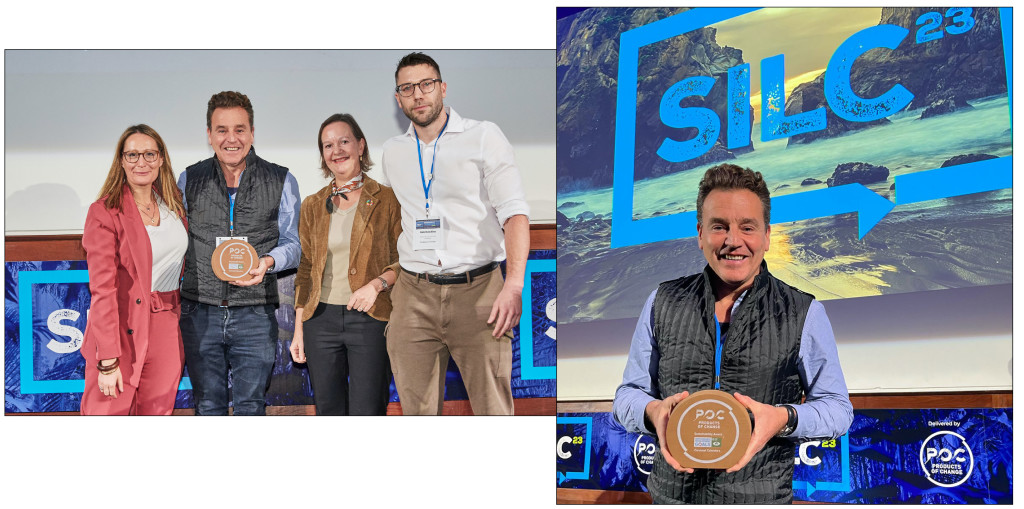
113	188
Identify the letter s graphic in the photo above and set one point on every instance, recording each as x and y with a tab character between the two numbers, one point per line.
550	312
53	323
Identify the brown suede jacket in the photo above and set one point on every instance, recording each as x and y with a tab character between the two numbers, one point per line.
375	231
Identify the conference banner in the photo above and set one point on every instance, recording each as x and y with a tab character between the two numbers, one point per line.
947	456
46	309
883	134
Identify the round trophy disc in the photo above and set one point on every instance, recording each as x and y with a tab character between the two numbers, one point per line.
233	259
708	429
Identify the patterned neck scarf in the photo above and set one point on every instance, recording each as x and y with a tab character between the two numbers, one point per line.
353	184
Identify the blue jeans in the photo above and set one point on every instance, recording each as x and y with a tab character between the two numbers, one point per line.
242	339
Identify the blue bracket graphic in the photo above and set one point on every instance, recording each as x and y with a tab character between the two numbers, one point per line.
843	485
26	336
527	370
870	208
585	473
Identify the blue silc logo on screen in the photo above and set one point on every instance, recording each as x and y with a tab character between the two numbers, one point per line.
572	447
871	208
51	333
527	340
823	465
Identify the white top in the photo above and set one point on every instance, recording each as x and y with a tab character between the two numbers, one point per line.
168	242
476	188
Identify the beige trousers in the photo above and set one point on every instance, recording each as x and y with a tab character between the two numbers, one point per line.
431	322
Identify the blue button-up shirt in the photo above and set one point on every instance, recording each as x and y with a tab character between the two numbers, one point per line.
286	253
827	411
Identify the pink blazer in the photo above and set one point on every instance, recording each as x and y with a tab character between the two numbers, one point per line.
120	260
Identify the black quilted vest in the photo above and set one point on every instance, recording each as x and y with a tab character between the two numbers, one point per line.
256	203
759	359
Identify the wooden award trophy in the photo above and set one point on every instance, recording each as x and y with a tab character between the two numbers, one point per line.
708	429
233	259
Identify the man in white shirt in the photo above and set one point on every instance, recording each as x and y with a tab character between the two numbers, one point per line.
463	209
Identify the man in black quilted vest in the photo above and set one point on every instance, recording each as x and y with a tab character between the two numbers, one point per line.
736	328
230	328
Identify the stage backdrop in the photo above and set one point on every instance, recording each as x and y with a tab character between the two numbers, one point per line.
96	94
946	456
46	309
884	137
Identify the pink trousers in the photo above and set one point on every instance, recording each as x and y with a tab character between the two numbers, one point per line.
161	370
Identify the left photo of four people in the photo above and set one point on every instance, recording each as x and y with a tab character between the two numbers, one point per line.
388	271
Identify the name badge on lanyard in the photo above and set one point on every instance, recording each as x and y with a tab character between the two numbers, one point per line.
429	233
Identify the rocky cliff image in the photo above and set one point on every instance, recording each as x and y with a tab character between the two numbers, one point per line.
587	70
943	74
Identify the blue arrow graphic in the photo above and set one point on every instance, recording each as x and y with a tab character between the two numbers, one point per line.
869	206
976	177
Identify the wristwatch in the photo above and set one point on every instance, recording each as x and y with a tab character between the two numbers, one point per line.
790	426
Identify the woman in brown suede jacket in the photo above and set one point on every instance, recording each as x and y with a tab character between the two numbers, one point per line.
349	233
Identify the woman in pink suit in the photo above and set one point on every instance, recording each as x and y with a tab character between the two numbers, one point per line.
135	242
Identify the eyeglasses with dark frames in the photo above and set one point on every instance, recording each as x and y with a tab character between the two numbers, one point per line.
133	157
426	86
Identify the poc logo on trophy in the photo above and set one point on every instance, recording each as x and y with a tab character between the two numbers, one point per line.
710	414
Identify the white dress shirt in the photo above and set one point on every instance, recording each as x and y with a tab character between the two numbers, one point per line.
476	187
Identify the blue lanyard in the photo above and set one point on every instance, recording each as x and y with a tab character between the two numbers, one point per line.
718	353
231	196
419	155
231	212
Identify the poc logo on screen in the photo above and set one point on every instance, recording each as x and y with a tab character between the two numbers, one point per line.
946	459
643	453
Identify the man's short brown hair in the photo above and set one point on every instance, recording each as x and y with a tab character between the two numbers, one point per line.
730	176
228	99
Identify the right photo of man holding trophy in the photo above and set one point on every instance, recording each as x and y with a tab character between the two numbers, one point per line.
726	419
